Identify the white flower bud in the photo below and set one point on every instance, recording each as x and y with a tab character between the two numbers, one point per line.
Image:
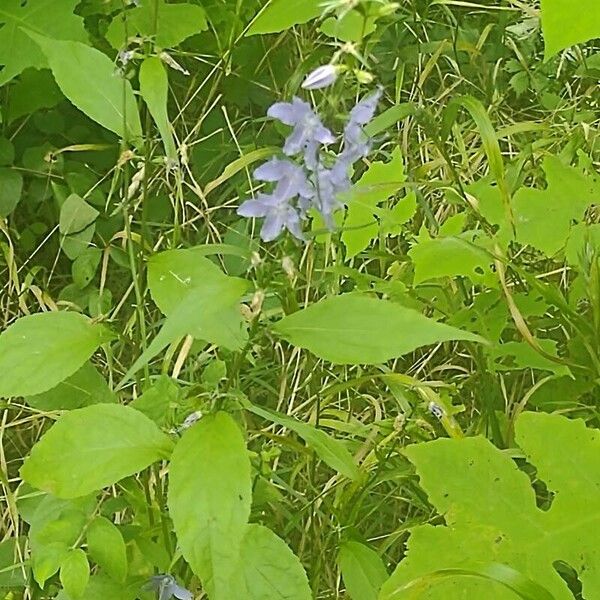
321	77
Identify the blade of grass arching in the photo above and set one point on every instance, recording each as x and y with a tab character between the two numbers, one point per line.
489	139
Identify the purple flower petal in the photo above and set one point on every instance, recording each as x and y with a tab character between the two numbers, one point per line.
255	208
364	110
272	226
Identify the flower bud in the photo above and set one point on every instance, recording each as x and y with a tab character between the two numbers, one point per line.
363	76
321	77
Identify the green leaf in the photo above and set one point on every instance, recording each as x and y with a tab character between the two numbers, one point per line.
88	79
84	388
363	571
501	523
171	25
543	217
94	447
76	215
85	266
75	244
356	329
209	499
449	257
106	547
39	351
563	27
154	88
331	451
198	299
11	186
379	182
75	573
283	14
352	27
46	17
47	561
268	569
33	90
157	399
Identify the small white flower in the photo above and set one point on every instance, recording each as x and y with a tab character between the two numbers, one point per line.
321	77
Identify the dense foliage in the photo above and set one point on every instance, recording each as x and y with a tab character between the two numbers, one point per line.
300	299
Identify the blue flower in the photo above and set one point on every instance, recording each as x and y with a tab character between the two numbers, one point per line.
167	588
309	132
357	143
276	208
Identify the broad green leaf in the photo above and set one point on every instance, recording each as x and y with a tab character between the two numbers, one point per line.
209	499
75	573
268	569
55	525
356	329
84	388
33	90
543	217
94	447
352	27
87	78
46	17
197	298
283	14
39	351
176	274
490	512
330	450
156	401
75	244
363	571
75	215
83	269
565	26
379	182
449	257
106	547
154	88
521	356
11	186
47	560
171	25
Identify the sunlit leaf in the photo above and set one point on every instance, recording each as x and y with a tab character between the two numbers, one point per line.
88	79
500	522
46	17
283	14
564	27
268	569
355	329
93	447
363	571
209	499
39	351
